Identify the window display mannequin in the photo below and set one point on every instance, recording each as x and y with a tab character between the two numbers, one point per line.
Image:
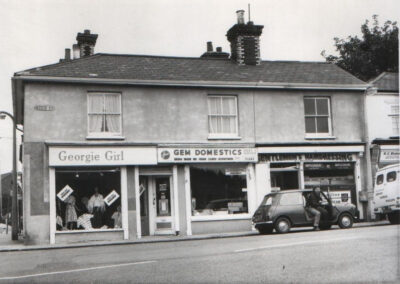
97	207
70	212
117	217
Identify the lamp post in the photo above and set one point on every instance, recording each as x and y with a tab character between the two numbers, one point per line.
14	200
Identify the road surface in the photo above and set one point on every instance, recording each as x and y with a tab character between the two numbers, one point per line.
363	255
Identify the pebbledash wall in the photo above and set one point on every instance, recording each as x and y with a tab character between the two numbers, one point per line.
164	133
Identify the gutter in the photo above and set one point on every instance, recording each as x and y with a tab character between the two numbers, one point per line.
204	84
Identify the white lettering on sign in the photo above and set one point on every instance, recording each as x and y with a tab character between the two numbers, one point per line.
207	155
88	156
389	155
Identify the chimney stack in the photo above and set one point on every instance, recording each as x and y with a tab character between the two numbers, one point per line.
209	46
75	51
245	41
67	54
86	43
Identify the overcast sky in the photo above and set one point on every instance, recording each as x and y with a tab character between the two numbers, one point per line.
36	32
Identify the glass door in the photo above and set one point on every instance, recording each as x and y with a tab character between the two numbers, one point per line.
161	206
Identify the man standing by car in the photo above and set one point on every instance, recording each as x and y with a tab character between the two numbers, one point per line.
313	202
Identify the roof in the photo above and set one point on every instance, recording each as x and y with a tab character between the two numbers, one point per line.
184	69
386	82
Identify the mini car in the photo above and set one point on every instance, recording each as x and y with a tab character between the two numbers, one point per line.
282	210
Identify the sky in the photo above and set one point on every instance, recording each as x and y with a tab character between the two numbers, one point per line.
36	32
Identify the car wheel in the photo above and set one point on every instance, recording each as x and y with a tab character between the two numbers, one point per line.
282	225
394	218
263	230
345	221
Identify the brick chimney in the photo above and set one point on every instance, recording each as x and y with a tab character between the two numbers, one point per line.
245	41
86	43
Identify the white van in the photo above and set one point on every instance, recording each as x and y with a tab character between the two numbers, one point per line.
387	193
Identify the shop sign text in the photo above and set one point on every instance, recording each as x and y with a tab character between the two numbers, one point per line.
88	156
390	155
306	157
207	155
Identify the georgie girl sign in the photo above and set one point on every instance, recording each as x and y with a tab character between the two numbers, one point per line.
207	155
97	156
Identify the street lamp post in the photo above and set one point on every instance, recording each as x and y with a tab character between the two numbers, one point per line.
14	200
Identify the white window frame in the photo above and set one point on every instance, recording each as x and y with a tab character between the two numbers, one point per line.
394	115
319	135
103	135
223	135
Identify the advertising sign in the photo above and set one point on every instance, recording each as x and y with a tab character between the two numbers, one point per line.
111	197
207	155
102	156
389	155
65	192
340	197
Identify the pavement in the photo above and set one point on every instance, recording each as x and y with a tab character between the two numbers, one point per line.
8	245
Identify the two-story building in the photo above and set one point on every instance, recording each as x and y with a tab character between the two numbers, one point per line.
123	146
383	119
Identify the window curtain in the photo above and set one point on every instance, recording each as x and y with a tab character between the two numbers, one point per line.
95	113
112	109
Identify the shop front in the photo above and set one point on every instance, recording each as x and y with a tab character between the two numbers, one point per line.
335	169
217	191
92	191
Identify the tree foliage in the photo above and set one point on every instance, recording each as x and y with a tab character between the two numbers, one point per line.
367	57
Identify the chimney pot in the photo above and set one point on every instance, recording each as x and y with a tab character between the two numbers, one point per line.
86	32
219	49
67	54
209	46
240	17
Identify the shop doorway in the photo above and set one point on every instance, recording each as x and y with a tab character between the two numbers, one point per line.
156	204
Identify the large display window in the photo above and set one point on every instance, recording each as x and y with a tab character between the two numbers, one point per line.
88	199
218	190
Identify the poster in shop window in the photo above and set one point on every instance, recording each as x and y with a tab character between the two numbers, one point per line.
111	197
65	192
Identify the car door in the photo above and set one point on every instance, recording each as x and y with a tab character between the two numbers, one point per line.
291	205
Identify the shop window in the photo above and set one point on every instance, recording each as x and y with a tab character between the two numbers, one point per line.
104	114
222	116
379	179
88	199
391	176
335	178
218	190
294	198
317	116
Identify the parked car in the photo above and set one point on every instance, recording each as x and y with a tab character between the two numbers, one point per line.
285	209
387	193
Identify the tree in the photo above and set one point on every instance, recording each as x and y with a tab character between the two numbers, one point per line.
377	51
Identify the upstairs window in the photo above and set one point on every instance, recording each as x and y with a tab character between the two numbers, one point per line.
317	117
104	114
222	116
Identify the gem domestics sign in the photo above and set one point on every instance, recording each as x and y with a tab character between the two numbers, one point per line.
102	156
207	155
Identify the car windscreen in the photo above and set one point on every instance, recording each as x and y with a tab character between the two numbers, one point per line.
268	200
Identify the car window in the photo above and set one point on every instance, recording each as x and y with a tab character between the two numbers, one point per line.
268	199
379	179
391	176
294	198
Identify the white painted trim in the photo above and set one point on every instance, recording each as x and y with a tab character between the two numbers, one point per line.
188	198
137	204
263	183
152	205
228	84
251	189
220	217
88	231
301	175
53	211
357	173
176	202
311	149
124	202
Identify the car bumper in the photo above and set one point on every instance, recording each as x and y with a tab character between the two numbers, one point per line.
262	223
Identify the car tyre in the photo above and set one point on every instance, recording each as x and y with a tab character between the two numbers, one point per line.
263	230
345	221
282	225
394	218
